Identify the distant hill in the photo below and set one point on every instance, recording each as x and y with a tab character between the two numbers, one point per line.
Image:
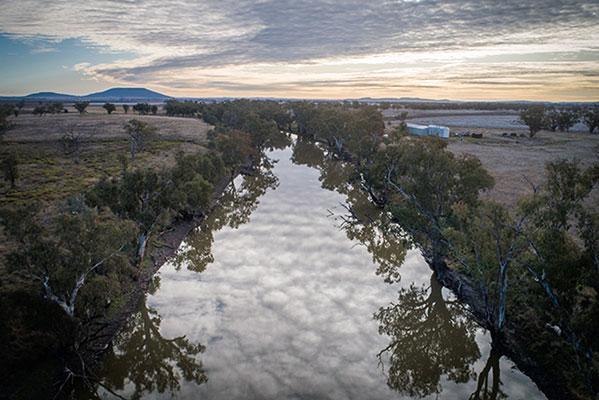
114	94
50	95
127	94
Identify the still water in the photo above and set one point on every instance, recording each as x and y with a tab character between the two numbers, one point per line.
277	296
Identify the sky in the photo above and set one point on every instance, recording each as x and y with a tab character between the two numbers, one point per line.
442	49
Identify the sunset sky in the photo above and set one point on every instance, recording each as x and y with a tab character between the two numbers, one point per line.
456	49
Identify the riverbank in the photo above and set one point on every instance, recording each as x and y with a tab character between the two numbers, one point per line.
528	336
52	178
284	289
164	247
510	342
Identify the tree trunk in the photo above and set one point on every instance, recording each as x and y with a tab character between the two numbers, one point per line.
132	149
142	240
502	296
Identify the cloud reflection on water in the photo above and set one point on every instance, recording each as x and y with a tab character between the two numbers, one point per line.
285	309
297	299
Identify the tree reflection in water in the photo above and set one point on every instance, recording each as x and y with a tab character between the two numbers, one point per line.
430	337
364	223
141	361
140	357
483	391
234	209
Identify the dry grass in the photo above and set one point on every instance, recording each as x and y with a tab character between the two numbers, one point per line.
101	126
47	174
513	162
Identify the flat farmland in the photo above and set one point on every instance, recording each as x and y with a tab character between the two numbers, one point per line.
101	126
516	162
47	173
467	119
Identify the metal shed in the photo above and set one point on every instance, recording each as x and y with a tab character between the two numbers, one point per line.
424	130
418	130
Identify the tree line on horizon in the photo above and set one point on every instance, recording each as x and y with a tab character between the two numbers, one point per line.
539	117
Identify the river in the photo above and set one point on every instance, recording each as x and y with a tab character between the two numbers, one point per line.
277	296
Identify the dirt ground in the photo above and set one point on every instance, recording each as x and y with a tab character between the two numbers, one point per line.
100	126
514	161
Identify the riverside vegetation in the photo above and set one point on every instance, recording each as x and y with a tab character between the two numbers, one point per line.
529	275
73	262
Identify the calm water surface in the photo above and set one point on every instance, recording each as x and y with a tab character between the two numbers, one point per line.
277	296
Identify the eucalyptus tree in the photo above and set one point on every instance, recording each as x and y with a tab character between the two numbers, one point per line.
10	166
139	133
73	136
161	368
567	119
142	108
109	107
78	250
590	117
81	106
5	124
534	118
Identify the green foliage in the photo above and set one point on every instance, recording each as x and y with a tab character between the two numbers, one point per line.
32	329
210	166
140	195
534	118
356	132
126	108
40	110
81	106
64	257
567	119
139	132
424	182
262	120
485	243
55	108
5	125
142	108
109	107
154	109
235	148
176	108
152	198
10	165
590	117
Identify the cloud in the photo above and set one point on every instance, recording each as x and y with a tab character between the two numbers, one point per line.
186	39
40	50
215	33
81	66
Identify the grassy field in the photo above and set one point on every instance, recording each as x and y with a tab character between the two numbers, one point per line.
48	174
514	162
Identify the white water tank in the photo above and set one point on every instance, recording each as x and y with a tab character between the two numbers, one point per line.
418	130
441	131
